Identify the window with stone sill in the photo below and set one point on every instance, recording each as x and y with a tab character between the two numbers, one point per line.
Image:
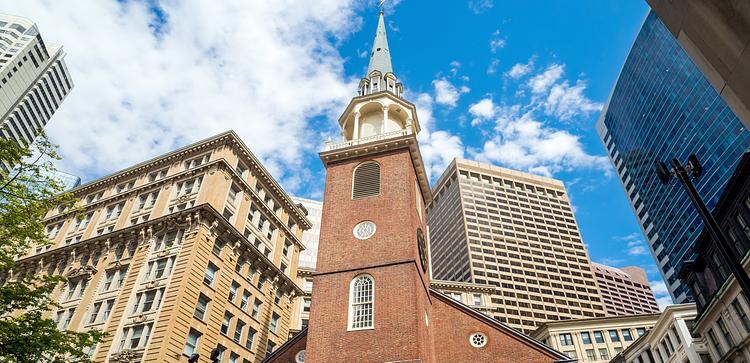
361	303
226	323
94	197
158	269
146	201
191	344
168	240
210	276
187	187
156	175
147	301
112	212
124	187
257	304
83	222
53	230
245	302
134	337
196	161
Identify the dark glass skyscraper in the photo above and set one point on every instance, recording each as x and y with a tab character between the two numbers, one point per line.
662	107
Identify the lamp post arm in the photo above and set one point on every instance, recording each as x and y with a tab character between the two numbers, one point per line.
717	235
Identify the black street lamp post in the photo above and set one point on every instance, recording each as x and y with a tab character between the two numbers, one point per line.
717	235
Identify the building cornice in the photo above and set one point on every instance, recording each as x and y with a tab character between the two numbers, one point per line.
463	286
382	146
225	138
567	324
218	164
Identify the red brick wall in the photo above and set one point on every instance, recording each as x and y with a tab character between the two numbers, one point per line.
399	318
452	327
393	212
290	352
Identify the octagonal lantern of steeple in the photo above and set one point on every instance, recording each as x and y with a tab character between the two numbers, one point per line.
379	111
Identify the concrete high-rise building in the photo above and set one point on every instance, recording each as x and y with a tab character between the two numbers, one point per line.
715	34
625	291
184	253
663	107
516	231
33	79
372	300
307	260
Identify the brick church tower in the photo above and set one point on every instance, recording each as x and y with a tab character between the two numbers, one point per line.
371	283
371	299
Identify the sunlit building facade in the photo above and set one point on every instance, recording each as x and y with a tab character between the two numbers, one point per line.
516	231
181	254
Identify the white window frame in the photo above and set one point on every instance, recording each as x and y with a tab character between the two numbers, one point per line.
350	325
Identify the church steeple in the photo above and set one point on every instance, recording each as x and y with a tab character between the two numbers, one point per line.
380	76
380	57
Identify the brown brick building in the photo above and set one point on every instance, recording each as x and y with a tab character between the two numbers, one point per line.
372	300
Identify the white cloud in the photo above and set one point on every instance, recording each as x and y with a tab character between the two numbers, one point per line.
543	81
446	93
483	109
492	68
663	299
215	66
480	6
519	69
524	143
637	250
635	245
439	147
496	42
455	66
565	101
659	287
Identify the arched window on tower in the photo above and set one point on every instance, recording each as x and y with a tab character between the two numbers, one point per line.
361	303
366	180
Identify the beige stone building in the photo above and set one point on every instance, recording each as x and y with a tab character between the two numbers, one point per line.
625	291
669	341
190	251
476	296
515	231
595	339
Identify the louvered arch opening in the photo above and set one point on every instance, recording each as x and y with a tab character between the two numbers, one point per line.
366	180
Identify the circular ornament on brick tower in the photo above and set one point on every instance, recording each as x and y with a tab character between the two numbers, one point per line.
478	340
300	357
364	230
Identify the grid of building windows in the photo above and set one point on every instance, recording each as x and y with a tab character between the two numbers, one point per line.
515	231
625	291
661	108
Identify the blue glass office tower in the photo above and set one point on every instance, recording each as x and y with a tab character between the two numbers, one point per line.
662	107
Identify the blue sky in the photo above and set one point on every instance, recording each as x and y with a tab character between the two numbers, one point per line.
515	83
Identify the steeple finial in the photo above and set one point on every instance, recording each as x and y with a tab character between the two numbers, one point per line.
380	58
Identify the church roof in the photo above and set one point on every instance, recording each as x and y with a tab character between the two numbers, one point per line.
380	57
